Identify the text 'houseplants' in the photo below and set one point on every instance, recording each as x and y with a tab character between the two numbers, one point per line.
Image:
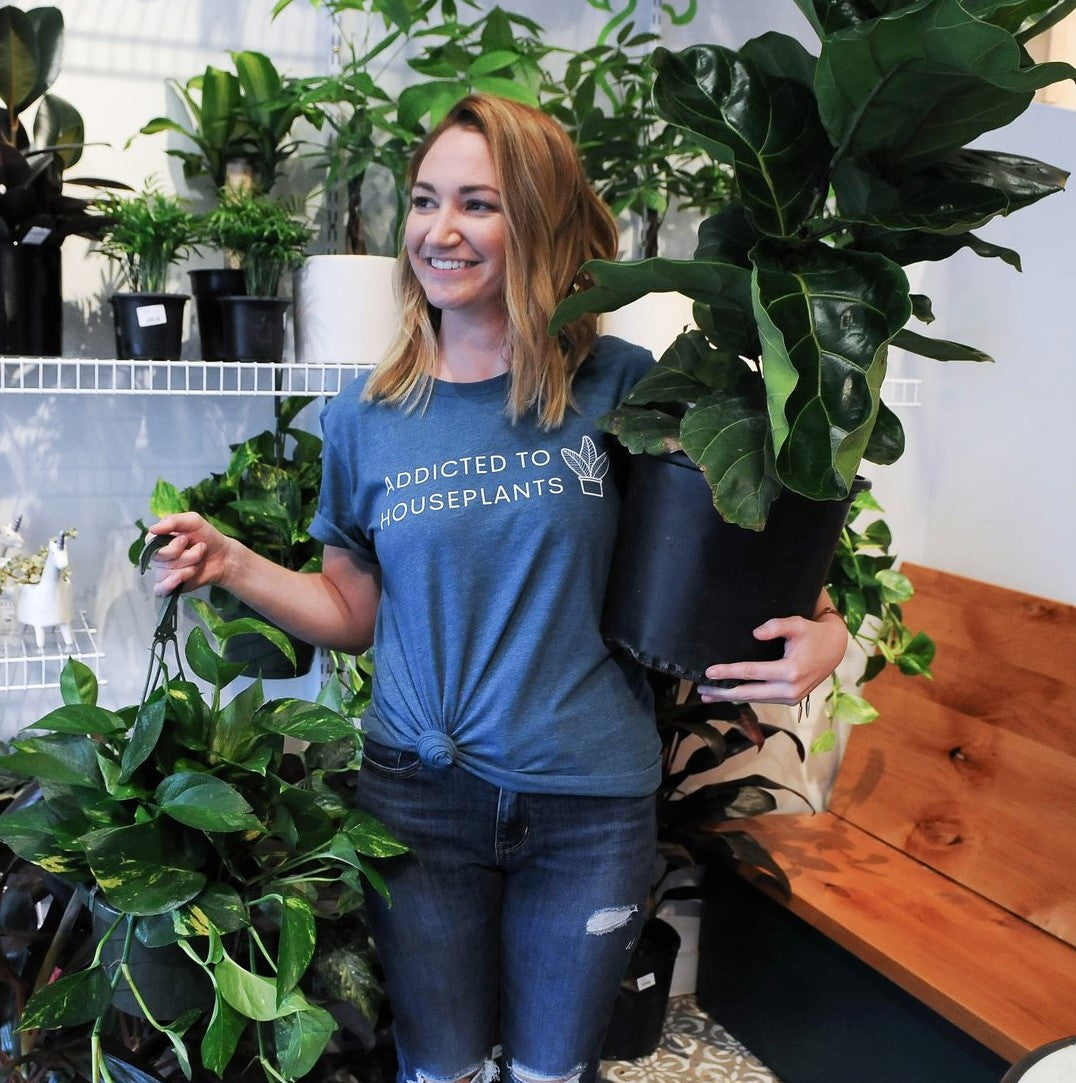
847	165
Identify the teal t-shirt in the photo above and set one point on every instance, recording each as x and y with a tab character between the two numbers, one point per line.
493	542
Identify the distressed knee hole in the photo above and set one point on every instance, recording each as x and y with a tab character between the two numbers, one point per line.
486	1072
527	1075
613	917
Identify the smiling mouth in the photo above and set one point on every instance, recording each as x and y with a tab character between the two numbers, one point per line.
449	264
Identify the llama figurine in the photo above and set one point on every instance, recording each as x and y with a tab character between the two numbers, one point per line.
48	603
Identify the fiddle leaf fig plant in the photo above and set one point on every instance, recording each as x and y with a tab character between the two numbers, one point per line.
846	166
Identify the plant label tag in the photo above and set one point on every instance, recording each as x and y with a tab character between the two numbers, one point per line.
646	981
151	315
36	235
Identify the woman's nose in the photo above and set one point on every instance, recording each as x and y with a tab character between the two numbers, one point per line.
443	228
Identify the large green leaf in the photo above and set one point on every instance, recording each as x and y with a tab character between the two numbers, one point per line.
643	431
221	1038
69	1000
19	70
81	718
206	802
58	123
253	995
135	867
369	836
149	724
297	938
724	287
937	348
78	683
728	436
48	24
261	87
765	125
826	317
300	1040
921	82
304	721
67	758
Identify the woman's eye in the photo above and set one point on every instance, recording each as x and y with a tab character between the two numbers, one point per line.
480	205
420	202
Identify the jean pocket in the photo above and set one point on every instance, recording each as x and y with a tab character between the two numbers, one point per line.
390	762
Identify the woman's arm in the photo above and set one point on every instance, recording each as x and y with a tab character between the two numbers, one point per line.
813	650
334	608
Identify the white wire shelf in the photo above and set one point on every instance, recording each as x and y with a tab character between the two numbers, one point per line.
23	665
69	375
902	391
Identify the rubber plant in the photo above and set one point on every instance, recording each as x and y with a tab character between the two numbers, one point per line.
203	822
847	166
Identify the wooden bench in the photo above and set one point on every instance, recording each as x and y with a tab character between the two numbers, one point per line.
947	858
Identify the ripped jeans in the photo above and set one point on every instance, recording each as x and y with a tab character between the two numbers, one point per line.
512	919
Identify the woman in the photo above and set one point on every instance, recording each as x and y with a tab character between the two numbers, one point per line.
468	523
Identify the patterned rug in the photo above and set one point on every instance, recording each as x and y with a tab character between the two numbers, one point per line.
693	1047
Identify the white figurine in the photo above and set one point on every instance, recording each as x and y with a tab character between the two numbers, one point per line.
48	603
10	540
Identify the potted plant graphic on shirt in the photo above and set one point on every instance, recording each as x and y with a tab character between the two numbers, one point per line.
589	466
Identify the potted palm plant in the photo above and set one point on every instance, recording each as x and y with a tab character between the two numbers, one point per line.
36	213
147	234
267	238
206	831
847	165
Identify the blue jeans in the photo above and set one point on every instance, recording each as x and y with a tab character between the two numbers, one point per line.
512	919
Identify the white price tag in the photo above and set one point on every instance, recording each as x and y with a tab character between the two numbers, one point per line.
151	315
36	235
646	981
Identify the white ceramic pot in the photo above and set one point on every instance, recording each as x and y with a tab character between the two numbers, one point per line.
345	309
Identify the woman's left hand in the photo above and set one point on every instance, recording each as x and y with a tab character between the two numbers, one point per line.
813	649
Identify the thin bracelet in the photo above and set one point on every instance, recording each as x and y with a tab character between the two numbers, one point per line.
827	609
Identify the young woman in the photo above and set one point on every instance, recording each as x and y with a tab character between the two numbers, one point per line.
506	746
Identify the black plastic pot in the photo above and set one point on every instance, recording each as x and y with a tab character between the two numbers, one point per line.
208	286
686	588
31	300
253	327
168	981
260	657
643	997
149	326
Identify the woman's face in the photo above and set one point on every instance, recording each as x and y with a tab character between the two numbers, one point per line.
455	230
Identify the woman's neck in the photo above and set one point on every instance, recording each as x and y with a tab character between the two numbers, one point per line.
468	352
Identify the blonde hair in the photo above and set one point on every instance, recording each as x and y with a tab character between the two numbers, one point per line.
554	222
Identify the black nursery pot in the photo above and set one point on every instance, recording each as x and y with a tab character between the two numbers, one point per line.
208	285
261	658
149	326
31	300
253	327
168	981
643	997
686	588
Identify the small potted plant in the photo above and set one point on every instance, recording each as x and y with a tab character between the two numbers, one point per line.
146	235
211	845
36	213
265	496
799	286
266	238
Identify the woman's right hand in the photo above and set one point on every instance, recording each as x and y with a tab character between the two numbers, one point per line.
197	555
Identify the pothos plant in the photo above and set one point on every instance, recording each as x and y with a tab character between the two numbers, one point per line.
209	825
846	166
